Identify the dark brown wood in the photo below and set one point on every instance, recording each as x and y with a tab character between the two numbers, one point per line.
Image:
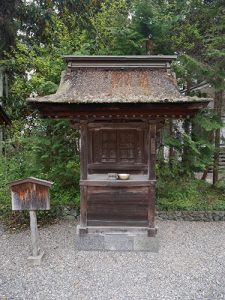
121	224
83	173
117	146
218	109
127	125
117	204
171	149
205	173
136	110
83	206
216	156
109	167
151	206
83	151
152	151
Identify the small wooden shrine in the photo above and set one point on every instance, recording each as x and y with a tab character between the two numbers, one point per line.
118	103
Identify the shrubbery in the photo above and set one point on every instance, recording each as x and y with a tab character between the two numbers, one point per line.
186	193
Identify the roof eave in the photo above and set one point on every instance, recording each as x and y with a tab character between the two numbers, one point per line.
127	58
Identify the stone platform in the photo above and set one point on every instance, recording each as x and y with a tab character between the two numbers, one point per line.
116	241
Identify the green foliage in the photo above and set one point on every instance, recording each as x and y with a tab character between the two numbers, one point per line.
8	11
196	149
45	149
208	120
113	30
47	88
49	29
185	193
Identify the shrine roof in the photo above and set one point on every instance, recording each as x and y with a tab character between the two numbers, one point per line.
117	79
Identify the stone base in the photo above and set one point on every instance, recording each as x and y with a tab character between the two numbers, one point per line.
36	260
116	241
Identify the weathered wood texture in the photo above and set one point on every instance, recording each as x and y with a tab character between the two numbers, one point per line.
117	205
83	172
118	110
83	206
83	150
34	233
151	206
152	151
30	196
118	115
114	183
117	147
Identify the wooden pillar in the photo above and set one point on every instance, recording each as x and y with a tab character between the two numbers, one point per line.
83	150
151	210
151	176
152	151
218	103
34	233
83	173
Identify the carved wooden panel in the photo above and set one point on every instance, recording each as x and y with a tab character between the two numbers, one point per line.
126	143
109	145
119	146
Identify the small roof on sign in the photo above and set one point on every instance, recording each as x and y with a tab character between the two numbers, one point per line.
31	180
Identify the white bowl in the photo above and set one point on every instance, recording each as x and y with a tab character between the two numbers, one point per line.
123	176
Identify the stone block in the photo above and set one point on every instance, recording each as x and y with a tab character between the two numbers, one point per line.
89	242
118	242
36	260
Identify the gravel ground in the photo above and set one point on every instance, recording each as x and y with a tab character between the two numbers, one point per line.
189	265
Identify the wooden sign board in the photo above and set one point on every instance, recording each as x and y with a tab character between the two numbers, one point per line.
30	194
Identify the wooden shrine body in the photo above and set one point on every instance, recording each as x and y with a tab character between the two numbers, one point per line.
117	146
118	103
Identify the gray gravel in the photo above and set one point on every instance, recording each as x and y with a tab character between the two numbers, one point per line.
189	265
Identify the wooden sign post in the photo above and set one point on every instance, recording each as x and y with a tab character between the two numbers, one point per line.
31	194
34	233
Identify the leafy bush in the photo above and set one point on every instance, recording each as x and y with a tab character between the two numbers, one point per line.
186	193
47	150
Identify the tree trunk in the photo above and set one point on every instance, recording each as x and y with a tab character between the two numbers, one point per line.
1	140
205	173
185	155
218	109
187	130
